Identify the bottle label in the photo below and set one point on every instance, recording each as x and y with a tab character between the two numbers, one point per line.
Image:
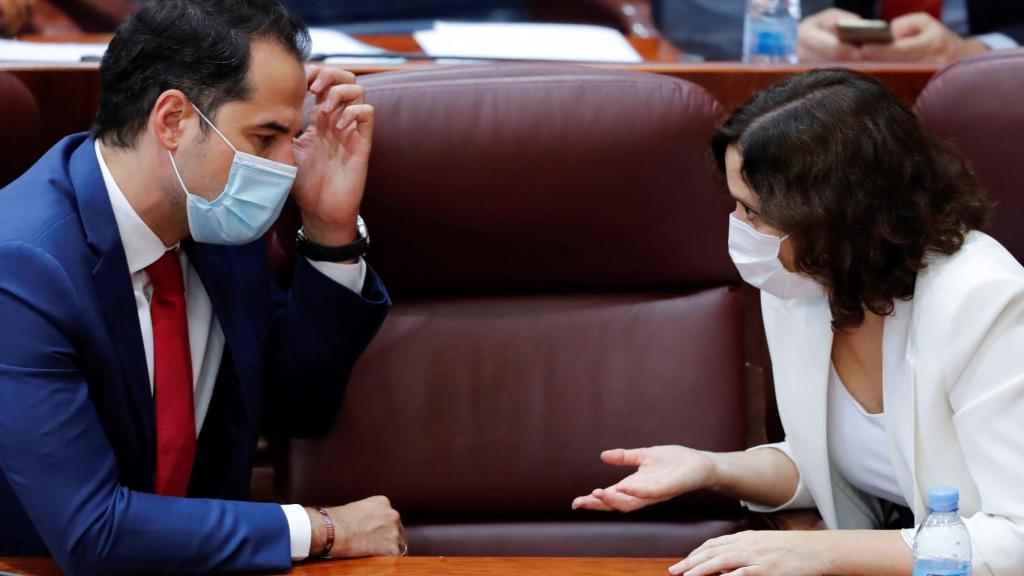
932	567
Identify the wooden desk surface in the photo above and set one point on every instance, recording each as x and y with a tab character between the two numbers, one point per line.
68	94
423	566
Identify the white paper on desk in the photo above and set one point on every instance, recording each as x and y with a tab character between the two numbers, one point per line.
569	42
59	52
327	41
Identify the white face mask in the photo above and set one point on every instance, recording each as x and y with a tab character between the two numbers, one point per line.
756	256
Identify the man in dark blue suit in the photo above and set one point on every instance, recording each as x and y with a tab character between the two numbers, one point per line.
927	31
143	346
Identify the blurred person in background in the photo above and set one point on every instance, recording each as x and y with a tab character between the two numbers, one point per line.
56	17
925	31
14	16
928	31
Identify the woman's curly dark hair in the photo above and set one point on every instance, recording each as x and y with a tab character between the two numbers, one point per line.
865	193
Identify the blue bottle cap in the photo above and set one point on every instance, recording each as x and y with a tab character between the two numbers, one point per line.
943	499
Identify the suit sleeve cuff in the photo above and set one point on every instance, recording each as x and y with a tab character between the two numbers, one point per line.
996	41
300	529
351	276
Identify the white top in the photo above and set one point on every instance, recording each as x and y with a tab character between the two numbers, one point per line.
143	247
858	443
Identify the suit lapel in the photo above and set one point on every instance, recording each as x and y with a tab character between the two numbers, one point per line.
113	282
817	348
801	346
215	266
898	389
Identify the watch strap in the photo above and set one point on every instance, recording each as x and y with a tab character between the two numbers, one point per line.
321	253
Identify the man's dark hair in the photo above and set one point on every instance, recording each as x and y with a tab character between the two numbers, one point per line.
865	193
201	47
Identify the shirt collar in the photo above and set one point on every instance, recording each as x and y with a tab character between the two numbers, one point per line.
142	246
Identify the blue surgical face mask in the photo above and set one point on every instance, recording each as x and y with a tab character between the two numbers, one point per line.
249	204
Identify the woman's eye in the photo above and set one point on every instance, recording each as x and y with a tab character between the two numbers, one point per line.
751	215
265	139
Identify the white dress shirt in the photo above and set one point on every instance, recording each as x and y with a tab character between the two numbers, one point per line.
143	247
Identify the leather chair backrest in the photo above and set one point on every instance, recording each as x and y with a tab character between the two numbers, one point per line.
556	245
518	179
20	145
977	104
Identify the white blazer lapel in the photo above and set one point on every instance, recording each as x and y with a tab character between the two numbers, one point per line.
898	393
800	340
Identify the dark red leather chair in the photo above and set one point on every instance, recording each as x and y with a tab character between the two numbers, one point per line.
556	248
976	104
20	145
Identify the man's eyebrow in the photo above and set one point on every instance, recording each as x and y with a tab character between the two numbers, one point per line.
275	126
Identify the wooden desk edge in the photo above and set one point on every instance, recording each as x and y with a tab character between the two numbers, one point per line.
424	565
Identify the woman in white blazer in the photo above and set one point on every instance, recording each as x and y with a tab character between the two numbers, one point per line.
896	331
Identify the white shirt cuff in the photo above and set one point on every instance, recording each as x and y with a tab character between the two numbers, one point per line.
996	41
300	529
351	276
908	535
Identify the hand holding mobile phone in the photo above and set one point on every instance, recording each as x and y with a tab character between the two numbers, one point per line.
856	31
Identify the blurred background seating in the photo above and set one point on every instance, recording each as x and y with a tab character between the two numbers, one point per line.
52	17
21	145
974	103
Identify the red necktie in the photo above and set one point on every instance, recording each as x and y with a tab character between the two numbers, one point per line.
896	8
172	378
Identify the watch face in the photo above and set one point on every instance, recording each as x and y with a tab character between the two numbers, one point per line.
361	227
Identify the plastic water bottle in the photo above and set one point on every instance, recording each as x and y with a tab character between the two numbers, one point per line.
942	546
769	31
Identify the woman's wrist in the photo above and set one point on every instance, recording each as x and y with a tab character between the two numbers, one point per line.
718	471
861	552
767	477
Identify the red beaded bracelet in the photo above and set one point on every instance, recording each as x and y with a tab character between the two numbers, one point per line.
329	524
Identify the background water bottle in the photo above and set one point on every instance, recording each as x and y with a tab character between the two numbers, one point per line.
942	546
769	31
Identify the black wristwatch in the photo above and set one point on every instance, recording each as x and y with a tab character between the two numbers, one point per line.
322	253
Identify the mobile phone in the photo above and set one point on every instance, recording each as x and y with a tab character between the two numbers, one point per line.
856	31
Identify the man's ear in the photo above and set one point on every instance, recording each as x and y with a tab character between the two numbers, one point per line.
171	114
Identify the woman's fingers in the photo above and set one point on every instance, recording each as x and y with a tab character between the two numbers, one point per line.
619	501
590	503
712	563
621	457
